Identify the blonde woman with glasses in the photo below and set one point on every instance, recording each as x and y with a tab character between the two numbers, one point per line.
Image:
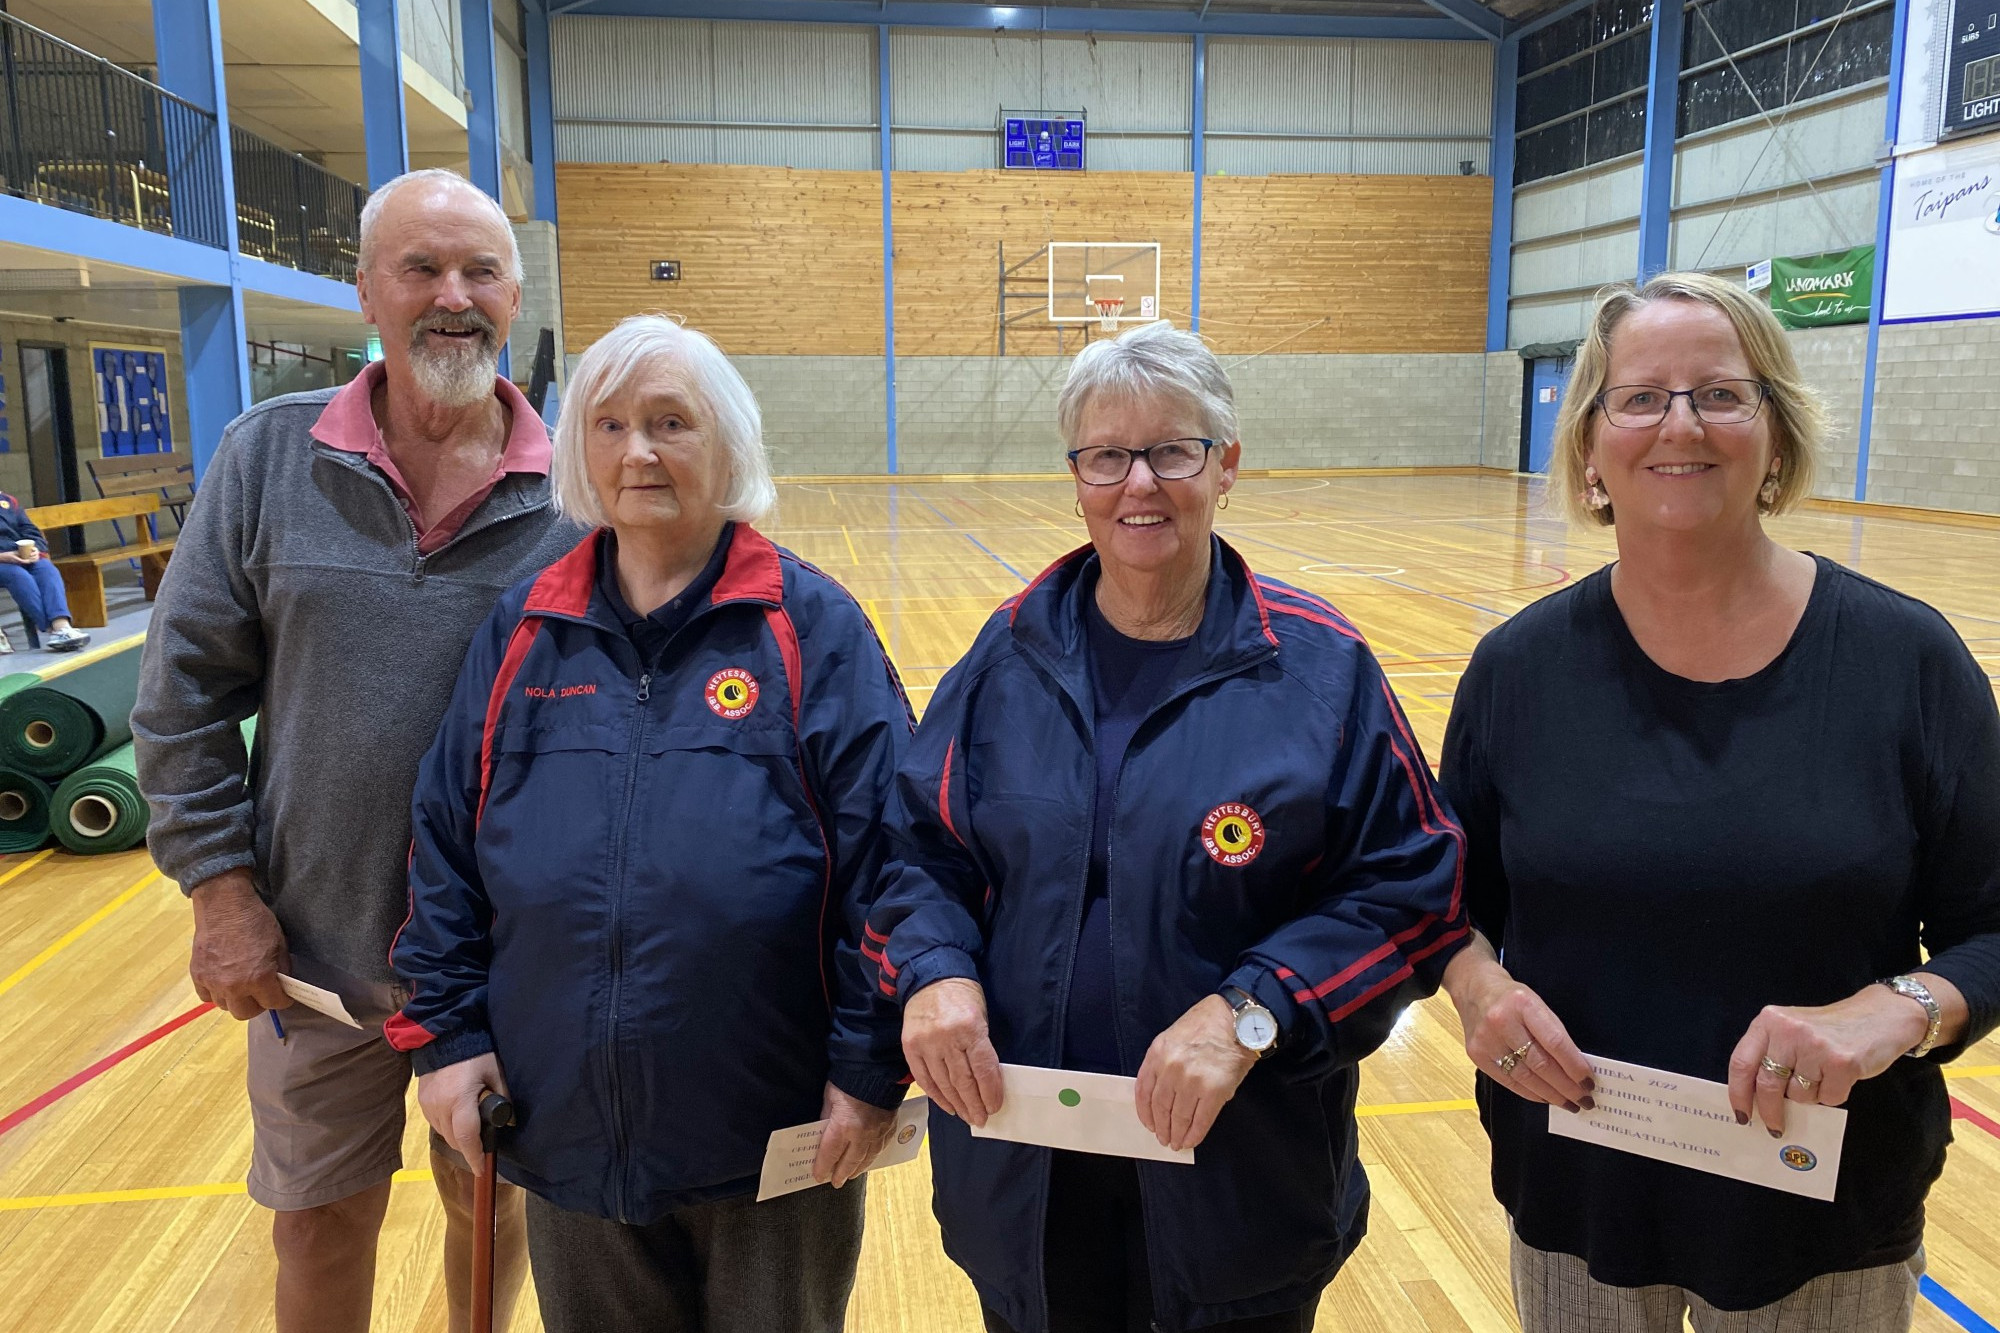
1731	812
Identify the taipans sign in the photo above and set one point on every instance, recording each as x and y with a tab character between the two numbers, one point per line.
1944	233
1823	289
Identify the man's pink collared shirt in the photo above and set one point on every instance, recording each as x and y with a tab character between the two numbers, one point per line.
348	424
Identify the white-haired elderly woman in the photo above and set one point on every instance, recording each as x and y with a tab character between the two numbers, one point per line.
1732	812
645	841
1167	820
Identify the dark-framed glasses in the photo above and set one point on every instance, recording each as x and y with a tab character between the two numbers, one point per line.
1169	460
1718	402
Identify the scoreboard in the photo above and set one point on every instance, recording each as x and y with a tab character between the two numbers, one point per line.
1048	144
1972	67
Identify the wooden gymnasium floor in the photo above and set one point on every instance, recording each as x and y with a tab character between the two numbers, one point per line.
121	1206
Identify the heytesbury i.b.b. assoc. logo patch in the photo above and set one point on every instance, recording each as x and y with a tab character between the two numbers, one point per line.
1232	835
731	693
1798	1158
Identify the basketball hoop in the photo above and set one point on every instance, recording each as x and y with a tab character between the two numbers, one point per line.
1107	312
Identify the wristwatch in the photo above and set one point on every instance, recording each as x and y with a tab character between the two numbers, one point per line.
1918	991
1256	1026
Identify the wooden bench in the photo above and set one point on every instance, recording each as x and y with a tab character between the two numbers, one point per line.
169	475
83	575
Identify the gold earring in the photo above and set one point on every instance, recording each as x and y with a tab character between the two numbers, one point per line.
1079	509
1223	503
1594	495
1767	494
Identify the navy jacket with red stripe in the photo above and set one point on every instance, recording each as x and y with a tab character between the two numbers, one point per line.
644	888
1276	828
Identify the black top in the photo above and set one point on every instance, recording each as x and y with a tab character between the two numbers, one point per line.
1659	858
1127	677
650	632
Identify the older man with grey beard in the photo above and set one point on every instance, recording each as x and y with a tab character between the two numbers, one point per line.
345	545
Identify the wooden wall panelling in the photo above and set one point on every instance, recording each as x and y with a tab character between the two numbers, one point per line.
1371	263
774	262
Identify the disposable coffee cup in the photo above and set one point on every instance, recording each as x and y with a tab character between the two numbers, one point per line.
25	548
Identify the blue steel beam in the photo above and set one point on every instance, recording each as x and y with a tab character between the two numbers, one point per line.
1500	161
1028	18
385	123
215	366
267	279
883	136
1552	18
1656	185
482	118
1884	201
1199	137
541	111
1470	14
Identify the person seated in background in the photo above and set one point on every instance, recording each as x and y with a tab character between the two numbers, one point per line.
646	839
1165	819
1732	812
35	583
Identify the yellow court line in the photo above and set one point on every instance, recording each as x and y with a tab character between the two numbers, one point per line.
29	864
852	554
21	973
1973	1071
222	1188
1416	1108
88	656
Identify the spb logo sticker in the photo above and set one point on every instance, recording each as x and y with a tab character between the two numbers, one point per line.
1797	1157
1232	835
731	693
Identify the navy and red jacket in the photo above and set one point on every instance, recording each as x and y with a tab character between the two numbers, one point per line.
643	887
1275	828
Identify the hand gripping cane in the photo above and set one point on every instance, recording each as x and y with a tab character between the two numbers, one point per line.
495	1113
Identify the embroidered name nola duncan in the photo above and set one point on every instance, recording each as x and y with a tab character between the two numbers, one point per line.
731	693
1232	835
557	691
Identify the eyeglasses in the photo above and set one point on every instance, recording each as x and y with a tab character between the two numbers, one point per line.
1719	402
1169	460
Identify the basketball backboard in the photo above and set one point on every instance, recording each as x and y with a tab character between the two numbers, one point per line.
1122	275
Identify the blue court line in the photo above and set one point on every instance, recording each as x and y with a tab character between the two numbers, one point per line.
1003	564
1380	578
1961	1314
935	510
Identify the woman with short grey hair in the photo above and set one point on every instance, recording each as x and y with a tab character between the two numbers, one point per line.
645	840
1166	820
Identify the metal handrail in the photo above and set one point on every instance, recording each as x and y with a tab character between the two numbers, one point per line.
290	210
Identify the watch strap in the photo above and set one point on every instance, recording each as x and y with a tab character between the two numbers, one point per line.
1911	988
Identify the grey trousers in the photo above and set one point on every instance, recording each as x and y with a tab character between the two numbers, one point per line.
1555	1293
736	1266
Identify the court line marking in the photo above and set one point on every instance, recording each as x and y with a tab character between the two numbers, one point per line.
1957	1310
852	554
21	973
29	864
218	1189
1415	1108
89	655
63	1089
1960	1111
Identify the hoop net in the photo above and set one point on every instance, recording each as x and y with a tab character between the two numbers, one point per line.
1107	311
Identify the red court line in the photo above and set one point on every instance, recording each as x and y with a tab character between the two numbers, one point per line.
1960	1111
75	1081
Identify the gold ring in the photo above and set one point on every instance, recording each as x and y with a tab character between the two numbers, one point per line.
1805	1082
1782	1071
1512	1058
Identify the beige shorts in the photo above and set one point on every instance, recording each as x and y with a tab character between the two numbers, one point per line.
327	1102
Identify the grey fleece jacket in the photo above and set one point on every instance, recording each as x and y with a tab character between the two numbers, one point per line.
296	593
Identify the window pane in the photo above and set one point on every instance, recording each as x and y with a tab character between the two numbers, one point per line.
1563	38
1547	152
1558	92
1622	66
1854	51
1617	129
1744	23
1619	16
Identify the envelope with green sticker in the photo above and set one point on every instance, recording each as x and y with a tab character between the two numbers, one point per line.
1059	1108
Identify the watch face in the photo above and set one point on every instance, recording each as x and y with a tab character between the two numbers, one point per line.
1256	1029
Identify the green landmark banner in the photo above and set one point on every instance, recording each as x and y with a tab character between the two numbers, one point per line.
1823	289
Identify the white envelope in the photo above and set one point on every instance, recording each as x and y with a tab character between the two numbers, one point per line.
788	1158
313	997
1059	1108
1688	1121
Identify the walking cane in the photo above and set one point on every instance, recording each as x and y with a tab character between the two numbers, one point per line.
495	1113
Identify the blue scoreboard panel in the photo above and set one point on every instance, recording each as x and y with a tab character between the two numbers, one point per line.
1972	67
1047	145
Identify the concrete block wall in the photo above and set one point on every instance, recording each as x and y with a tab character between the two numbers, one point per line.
1360	411
822	414
541	300
1832	360
1933	442
979	413
1500	431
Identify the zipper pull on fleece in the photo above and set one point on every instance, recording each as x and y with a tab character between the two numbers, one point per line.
645	687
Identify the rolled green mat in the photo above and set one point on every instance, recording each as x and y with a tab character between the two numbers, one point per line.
98	808
24	811
19	680
62	723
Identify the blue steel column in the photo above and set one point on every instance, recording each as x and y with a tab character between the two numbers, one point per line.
1656	188
1500	161
888	238
482	118
1200	170
187	40
1876	292
541	111
385	123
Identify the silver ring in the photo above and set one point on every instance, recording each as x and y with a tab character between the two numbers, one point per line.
1782	1071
